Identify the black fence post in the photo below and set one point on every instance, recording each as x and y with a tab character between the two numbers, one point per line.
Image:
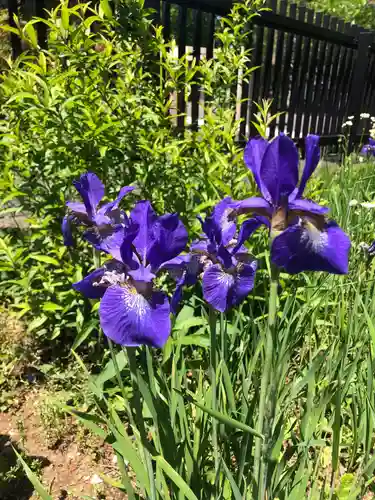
15	40
358	83
41	27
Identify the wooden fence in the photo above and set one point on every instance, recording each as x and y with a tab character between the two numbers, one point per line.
315	67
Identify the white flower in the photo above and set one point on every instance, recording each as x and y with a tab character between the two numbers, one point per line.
347	124
368	204
96	479
351	117
365	115
361	159
353	203
372	118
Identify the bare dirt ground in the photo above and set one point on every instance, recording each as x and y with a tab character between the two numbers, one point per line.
67	472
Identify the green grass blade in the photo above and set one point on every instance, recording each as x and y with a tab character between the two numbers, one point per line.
39	488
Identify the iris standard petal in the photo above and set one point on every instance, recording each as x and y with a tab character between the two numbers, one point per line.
312	151
91	188
77	208
142	273
301	206
129	319
279	169
303	247
169	238
143	215
89	285
112	206
66	230
224	218
253	155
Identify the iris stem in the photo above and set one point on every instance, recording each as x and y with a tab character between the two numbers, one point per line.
265	403
213	367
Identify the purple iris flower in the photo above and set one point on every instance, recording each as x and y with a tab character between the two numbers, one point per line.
369	149
227	269
104	223
131	311
302	238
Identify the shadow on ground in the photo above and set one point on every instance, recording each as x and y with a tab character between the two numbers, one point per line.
14	484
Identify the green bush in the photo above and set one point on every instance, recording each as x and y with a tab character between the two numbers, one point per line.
99	99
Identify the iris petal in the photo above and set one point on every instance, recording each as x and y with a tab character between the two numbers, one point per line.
254	205
253	155
279	168
169	238
312	150
307	206
224	220
223	290
305	248
91	188
129	319
143	215
247	229
89	285
67	231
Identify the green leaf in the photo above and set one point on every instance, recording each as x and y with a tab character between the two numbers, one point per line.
37	323
183	488
32	34
106	8
46	259
39	488
109	371
51	306
225	419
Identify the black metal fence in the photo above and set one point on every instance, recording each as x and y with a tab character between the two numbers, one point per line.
316	68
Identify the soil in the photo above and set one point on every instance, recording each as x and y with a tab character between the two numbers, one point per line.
67	472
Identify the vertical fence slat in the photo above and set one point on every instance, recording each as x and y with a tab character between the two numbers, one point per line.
14	39
211	33
316	113
286	79
256	85
181	104
326	81
294	80
311	80
303	82
195	93
166	20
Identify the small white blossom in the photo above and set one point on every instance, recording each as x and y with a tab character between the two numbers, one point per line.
96	479
372	118
365	115
368	204
361	159
349	123
353	203
351	117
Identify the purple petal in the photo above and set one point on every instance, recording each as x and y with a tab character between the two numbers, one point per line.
91	188
89	285
143	215
77	208
126	249
223	290
253	155
303	247
279	169
107	239
224	219
247	228
254	205
107	208
312	159
67	231
306	207
169	240
142	274
129	319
